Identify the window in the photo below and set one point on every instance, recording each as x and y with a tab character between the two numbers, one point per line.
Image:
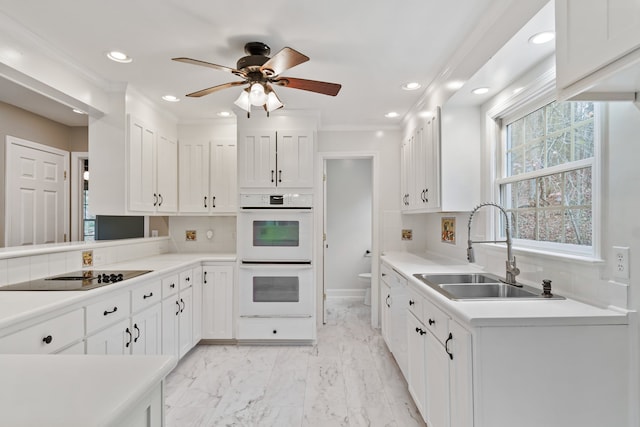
547	185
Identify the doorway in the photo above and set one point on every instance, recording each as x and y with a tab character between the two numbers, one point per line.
37	196
349	232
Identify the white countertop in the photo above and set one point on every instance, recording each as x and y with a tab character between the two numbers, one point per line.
500	313
18	306
75	390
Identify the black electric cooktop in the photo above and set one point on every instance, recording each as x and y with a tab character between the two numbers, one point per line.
76	281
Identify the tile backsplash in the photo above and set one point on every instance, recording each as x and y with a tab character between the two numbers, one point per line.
212	234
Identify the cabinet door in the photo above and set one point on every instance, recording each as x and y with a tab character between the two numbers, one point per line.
460	376
185	322
416	363
142	167
147	331
432	161
592	34
116	339
437	383
224	176
385	313
418	192
167	175
170	316
407	171
217	302
197	305
257	159
194	176
295	159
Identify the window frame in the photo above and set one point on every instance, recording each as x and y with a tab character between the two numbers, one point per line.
527	105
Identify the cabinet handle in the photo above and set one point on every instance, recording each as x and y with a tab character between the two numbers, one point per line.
411	302
213	201
173	285
446	346
387	301
178	304
432	322
183	305
188	279
280	176
426	195
155	199
161	199
422	332
272	172
147	296
205	277
109	312
205	201
135	326
275	331
48	339
130	337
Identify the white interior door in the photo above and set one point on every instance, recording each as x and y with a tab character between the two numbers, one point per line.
36	193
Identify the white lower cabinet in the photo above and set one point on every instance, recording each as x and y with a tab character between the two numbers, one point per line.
397	302
196	334
437	393
416	361
217	302
385	311
276	328
147	331
177	323
185	322
115	339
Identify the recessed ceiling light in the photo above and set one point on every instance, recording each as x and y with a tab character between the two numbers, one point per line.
75	110
480	90
117	56
543	37
171	98
224	114
391	115
455	84
411	86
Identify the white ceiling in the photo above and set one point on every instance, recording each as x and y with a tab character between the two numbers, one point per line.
370	47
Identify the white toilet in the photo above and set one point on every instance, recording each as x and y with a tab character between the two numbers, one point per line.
366	277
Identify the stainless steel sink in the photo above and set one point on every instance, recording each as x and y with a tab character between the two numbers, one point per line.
479	286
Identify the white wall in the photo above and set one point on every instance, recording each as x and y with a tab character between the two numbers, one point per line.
349	187
223	239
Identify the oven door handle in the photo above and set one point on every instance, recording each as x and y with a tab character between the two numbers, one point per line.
248	265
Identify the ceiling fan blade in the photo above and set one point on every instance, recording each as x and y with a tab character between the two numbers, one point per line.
210	65
204	92
324	88
283	60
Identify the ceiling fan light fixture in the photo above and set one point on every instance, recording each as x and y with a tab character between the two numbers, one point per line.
243	101
257	95
273	102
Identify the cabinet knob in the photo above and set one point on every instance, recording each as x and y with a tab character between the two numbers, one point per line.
411	302
275	331
48	339
432	322
188	279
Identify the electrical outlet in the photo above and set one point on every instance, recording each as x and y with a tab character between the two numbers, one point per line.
621	262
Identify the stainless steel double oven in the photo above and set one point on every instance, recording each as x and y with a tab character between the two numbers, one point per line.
275	234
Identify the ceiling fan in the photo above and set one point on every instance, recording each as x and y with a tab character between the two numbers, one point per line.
260	72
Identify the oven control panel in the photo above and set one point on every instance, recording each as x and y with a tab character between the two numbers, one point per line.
288	200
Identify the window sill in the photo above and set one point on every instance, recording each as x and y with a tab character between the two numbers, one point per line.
584	259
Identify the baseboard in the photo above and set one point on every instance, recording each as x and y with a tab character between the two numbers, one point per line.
353	293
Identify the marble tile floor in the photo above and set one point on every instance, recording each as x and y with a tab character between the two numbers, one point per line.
348	378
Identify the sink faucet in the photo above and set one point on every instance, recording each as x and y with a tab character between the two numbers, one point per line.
512	270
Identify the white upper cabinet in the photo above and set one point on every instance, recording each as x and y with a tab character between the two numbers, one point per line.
270	159
597	48
440	162
208	176
153	171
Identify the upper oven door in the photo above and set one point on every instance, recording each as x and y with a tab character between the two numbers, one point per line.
275	235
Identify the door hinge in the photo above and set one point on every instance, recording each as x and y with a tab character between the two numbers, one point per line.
324	177
65	237
324	297
65	175
324	237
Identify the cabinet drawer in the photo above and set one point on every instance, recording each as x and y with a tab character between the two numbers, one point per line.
186	279
170	285
145	296
46	337
416	304
107	311
436	320
265	328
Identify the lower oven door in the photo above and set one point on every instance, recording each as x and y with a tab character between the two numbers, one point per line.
276	290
